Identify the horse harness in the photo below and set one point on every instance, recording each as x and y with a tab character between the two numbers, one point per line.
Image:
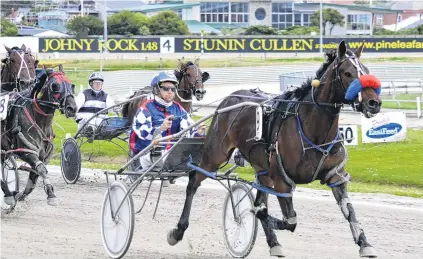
276	110
23	66
19	101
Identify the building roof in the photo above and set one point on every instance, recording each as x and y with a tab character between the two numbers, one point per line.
162	7
146	8
38	32
113	5
51	33
197	27
372	9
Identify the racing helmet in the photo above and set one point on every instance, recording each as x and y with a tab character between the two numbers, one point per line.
161	77
95	76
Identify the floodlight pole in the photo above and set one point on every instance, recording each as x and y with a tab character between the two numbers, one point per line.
105	22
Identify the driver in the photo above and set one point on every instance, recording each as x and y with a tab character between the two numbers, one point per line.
160	117
90	101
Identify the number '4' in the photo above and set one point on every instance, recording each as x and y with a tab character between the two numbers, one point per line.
167	45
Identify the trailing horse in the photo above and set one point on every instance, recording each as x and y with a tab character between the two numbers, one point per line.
18	69
300	144
190	78
28	133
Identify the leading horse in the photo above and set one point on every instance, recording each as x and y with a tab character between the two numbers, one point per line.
191	83
28	133
302	144
18	69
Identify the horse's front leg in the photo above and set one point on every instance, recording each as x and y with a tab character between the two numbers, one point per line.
341	196
176	234
40	170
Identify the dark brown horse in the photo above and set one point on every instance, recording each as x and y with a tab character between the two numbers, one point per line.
302	144
18	69
191	80
28	133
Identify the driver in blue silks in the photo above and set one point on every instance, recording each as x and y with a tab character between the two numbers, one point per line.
160	117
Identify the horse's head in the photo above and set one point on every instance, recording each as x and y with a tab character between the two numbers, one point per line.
57	93
20	64
191	79
358	87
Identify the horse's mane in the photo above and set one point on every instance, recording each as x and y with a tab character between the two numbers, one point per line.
306	86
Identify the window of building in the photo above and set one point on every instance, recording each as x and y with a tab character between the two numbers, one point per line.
179	13
359	22
379	19
282	16
399	18
217	12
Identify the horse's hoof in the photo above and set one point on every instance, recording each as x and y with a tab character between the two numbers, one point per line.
276	251
52	201
170	239
368	251
10	200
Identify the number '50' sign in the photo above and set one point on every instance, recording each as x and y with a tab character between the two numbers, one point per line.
349	133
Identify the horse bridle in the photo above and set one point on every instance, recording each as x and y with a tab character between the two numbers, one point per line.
192	86
338	81
23	66
56	100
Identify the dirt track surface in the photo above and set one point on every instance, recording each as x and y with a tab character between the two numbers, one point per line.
393	225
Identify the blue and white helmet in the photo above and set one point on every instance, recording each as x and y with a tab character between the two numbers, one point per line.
161	77
95	76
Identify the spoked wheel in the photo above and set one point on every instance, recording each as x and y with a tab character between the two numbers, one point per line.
240	225
10	181
117	230
70	161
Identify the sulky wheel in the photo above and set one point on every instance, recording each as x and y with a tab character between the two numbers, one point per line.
117	228
240	231
70	161
9	184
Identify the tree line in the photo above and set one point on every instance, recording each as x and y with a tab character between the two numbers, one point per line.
127	23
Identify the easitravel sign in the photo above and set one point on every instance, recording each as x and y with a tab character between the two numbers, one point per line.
384	127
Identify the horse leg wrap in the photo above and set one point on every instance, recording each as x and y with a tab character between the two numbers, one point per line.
42	171
357	231
343	204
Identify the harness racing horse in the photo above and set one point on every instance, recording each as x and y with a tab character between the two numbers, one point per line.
18	69
302	144
190	78
28	132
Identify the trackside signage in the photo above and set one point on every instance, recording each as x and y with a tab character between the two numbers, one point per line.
384	127
223	45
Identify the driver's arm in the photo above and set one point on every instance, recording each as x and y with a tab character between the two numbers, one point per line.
186	121
143	125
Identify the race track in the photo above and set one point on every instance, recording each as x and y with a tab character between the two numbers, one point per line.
394	225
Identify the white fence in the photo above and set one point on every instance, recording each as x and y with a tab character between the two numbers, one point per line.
395	79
